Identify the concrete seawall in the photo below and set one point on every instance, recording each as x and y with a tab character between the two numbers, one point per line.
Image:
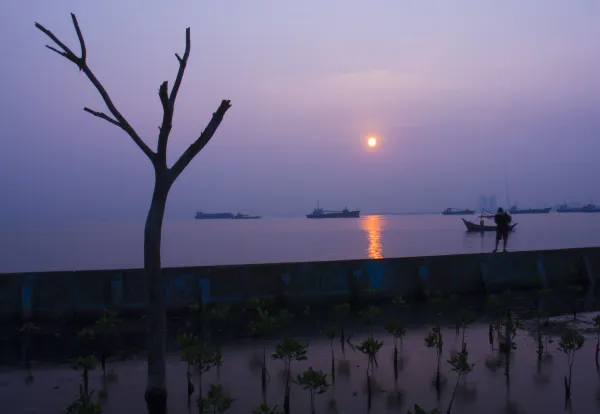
87	293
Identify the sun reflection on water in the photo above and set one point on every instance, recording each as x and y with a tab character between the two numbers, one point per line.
372	226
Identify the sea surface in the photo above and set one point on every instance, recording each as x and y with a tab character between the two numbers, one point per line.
119	244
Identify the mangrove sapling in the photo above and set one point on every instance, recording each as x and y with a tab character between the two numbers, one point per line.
83	404
331	333
187	345
85	364
289	350
265	409
396	329
216	401
342	313
460	364
465	318
218	319
570	342
264	325
106	326
370	347
435	340
203	358
315	382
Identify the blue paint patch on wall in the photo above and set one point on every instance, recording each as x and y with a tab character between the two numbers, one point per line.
286	279
424	273
182	282
205	290
375	270
26	298
357	273
541	270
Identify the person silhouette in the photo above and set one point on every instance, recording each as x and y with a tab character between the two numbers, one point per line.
502	220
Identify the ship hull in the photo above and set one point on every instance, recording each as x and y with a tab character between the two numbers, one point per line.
213	216
531	211
570	210
349	214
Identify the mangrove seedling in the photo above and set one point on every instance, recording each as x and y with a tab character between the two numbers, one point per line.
435	340
289	350
83	404
396	329
370	347
315	382
216	401
264	325
460	364
331	333
465	318
342	312
187	345
105	327
218	319
597	327
265	409
570	342
85	364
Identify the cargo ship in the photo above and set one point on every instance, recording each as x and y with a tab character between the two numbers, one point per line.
516	210
457	212
590	208
240	216
565	208
212	216
319	213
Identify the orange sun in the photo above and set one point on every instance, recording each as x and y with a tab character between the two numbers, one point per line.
372	142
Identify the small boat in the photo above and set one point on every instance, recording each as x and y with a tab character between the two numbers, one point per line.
240	216
590	208
516	210
474	227
457	212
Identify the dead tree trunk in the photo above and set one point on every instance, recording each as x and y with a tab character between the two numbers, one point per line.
156	388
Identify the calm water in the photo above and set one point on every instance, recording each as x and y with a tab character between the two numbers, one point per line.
532	388
118	244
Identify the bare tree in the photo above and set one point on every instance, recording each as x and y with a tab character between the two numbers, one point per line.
163	180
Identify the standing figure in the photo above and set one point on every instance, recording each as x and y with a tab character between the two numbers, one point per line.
502	220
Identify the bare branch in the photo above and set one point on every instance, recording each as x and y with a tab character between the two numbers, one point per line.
167	123
80	37
82	64
103	116
182	64
202	140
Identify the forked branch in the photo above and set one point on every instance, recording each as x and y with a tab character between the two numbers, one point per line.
81	62
168	100
202	140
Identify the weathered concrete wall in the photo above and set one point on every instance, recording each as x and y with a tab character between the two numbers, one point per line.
71	294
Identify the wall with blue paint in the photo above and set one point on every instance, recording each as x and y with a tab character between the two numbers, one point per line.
72	294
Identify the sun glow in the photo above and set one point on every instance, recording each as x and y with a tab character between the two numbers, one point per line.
372	142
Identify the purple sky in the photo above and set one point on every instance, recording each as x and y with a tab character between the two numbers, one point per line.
458	92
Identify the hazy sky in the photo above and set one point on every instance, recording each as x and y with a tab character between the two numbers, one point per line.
458	93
